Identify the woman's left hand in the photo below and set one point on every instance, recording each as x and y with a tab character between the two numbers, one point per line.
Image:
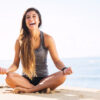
67	71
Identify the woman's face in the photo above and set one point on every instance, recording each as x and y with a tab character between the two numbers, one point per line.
32	20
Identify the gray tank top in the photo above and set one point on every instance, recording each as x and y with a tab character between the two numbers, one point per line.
41	58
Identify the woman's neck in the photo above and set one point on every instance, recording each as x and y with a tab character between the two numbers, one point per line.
35	34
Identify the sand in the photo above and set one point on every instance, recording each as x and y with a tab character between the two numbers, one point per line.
61	93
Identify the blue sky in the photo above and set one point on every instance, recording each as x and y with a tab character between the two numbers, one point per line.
74	25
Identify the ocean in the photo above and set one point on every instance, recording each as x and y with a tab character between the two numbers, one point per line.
86	71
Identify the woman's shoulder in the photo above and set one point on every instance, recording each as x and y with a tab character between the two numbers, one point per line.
47	37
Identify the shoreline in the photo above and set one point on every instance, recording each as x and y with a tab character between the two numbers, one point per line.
61	93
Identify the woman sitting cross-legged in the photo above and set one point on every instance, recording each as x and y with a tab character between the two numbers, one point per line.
31	48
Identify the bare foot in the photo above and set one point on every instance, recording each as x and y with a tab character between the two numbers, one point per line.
20	90
48	90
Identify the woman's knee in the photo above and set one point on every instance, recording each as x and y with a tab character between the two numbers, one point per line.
9	77
58	81
62	79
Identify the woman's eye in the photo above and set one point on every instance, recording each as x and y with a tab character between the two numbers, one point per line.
27	17
34	16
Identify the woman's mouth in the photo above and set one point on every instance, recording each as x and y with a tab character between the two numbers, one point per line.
32	24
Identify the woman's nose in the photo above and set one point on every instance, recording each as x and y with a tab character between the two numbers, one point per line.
31	19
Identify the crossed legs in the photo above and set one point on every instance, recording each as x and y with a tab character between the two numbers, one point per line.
15	80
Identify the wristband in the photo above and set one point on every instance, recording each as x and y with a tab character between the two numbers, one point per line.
64	68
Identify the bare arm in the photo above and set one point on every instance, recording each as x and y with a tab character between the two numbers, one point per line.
16	61
50	44
15	64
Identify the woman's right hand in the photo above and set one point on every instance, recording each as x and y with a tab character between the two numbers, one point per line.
3	70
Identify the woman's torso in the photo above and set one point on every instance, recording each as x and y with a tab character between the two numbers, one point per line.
41	58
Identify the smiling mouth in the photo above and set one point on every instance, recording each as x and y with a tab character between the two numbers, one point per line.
32	23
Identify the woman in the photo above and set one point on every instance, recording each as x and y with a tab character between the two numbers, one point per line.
32	47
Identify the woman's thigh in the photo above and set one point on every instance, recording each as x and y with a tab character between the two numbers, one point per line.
16	80
53	80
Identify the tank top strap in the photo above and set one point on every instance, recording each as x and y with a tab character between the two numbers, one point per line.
42	39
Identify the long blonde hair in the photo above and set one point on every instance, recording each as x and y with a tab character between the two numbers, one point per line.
27	48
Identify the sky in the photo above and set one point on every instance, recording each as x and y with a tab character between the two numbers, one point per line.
74	25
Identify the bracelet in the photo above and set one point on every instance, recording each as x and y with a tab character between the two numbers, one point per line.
64	69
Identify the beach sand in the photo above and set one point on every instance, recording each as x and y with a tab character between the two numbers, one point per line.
61	93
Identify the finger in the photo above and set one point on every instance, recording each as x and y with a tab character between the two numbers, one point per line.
70	69
66	72
2	71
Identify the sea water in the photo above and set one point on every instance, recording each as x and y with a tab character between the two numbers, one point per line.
86	71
